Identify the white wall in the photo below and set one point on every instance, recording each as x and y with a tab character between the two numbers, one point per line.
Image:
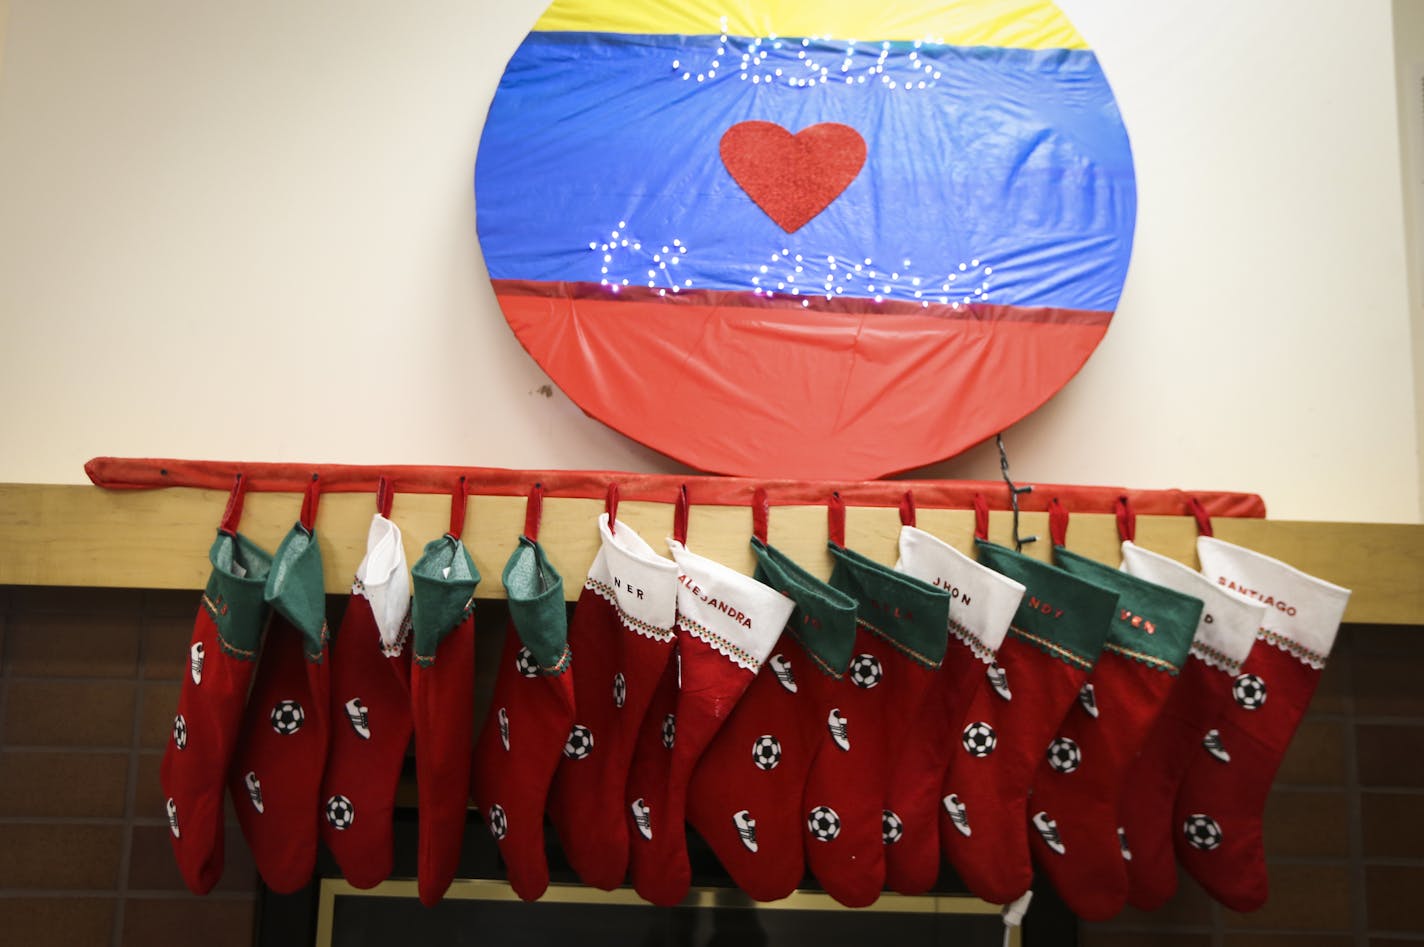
246	231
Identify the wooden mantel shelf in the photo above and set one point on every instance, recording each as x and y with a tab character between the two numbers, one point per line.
63	535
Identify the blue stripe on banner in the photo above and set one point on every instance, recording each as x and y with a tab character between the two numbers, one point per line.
1006	178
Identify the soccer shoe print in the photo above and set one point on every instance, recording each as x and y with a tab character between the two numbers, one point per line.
340	813
1213	745
839	728
195	662
359	718
642	818
287	717
1048	829
1122	843
172	808
579	744
958	816
1088	700
823	823
254	790
746	829
781	667
503	720
999	680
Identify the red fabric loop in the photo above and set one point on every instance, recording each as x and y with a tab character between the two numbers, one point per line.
309	503
610	504
384	496
533	512
1202	516
1126	519
761	512
233	514
907	509
981	517
835	519
1058	523
457	508
679	516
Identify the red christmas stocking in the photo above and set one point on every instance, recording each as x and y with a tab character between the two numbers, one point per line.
744	798
900	643
226	636
1043	663
275	777
370	711
981	604
622	635
1221	799
1080	780
442	696
1222	641
532	712
727	624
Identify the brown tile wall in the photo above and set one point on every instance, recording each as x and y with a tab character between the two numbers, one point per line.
89	681
1344	825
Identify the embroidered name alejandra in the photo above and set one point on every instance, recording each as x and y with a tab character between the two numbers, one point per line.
726	608
1264	599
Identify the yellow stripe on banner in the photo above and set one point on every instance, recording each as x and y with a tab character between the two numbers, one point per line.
1021	24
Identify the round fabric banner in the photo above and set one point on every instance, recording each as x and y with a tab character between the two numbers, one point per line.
806	239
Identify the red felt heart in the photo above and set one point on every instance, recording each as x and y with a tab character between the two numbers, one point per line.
793	177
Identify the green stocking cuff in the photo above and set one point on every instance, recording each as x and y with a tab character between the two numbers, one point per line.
1061	615
444	580
296	589
536	604
234	593
1152	624
824	620
911	615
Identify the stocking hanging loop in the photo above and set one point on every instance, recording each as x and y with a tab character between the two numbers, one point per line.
679	516
457	508
1203	518
1126	519
907	509
981	517
233	514
534	512
1058	522
761	513
610	505
309	503
384	496
835	519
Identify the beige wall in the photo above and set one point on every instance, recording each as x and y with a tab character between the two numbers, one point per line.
246	231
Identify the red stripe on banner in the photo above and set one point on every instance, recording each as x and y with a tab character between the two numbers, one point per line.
791	394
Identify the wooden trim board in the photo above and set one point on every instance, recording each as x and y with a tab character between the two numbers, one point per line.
67	535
